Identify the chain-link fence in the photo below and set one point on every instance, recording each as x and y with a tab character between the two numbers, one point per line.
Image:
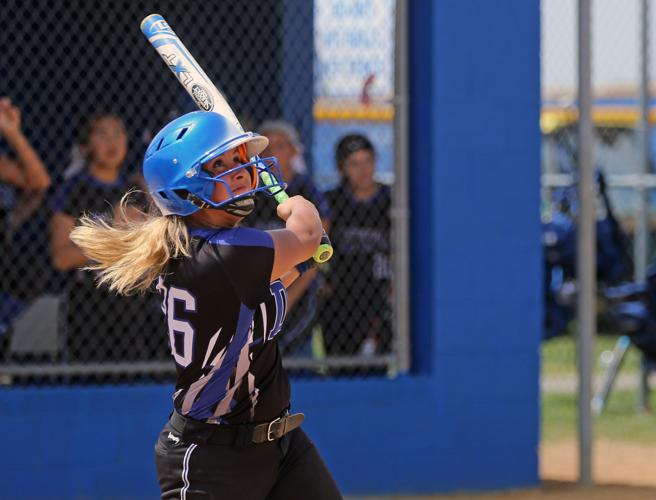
87	94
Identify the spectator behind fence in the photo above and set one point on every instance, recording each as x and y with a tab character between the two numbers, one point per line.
23	182
356	318
303	306
100	325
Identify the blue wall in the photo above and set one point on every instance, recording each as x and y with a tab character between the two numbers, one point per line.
467	417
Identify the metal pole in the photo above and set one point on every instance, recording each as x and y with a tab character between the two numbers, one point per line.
400	210
586	256
642	231
641	241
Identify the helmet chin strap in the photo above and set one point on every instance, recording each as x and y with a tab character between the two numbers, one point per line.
240	208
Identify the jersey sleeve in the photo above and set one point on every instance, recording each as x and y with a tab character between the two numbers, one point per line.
247	255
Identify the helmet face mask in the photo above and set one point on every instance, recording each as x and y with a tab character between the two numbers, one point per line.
174	161
236	204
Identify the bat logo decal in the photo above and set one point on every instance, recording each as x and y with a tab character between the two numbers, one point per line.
207	97
159	27
178	68
202	97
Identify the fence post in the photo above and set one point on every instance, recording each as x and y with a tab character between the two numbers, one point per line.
586	256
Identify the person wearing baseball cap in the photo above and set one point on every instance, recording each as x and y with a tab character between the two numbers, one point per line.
350	144
357	315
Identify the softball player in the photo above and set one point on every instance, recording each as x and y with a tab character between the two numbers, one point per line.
223	293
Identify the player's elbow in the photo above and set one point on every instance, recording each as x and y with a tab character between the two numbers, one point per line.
59	262
59	265
61	259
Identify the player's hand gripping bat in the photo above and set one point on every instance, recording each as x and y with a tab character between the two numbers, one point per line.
206	95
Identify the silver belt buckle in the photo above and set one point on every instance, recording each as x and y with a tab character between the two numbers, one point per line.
268	434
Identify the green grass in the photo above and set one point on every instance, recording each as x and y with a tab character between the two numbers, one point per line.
619	421
559	355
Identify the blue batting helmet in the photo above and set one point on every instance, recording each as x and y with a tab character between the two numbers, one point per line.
174	159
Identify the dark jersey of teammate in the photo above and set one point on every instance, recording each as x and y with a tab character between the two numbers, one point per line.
101	325
360	234
223	316
83	193
359	269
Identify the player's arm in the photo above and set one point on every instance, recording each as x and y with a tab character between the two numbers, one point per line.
288	279
65	254
296	274
300	238
300	281
303	281
29	173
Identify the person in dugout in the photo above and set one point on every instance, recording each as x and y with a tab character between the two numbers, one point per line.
356	318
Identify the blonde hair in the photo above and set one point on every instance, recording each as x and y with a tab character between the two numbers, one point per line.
130	254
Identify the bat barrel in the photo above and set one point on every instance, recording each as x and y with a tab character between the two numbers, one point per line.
206	95
187	70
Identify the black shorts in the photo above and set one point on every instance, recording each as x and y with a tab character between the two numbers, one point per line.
288	468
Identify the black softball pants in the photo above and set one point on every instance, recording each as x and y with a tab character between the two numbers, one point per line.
289	468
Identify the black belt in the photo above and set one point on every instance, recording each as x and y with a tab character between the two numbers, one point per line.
239	434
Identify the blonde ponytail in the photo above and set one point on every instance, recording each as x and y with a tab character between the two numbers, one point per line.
130	254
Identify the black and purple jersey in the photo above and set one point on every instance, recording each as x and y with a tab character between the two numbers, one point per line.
360	234
223	315
360	273
84	193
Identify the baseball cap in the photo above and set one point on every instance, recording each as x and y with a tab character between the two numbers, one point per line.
351	143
